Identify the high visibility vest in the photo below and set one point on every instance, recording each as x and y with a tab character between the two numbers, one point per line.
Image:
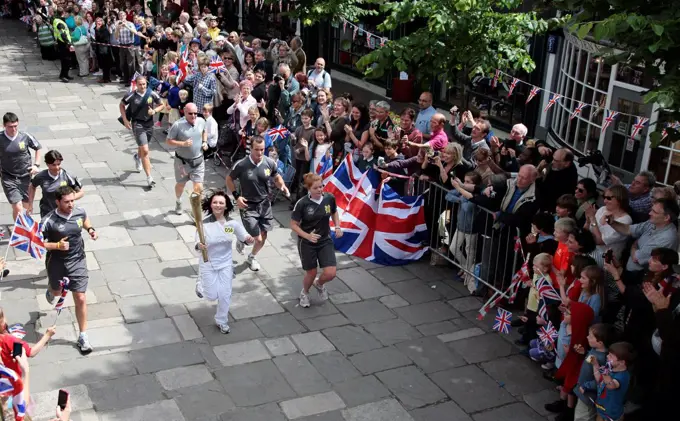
57	30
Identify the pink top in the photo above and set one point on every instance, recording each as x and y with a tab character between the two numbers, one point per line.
438	140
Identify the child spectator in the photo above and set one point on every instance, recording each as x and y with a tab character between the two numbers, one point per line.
171	61
566	206
273	153
366	160
542	264
599	338
544	353
611	382
173	100
211	131
562	257
183	101
572	339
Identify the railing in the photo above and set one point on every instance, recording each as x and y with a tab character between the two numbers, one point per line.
483	250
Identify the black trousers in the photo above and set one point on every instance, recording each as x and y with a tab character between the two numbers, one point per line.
104	60
65	58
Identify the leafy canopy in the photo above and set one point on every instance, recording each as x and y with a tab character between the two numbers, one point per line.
477	36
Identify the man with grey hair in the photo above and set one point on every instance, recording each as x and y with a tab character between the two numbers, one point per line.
639	194
381	126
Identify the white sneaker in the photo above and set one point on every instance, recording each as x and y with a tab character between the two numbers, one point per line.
178	207
199	289
240	246
224	328
99	73
304	299
323	292
150	182
84	344
253	263
138	163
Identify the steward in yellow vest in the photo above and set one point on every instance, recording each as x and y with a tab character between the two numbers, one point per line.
63	37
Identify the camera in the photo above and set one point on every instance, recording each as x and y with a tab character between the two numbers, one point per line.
381	161
599	165
278	78
432	155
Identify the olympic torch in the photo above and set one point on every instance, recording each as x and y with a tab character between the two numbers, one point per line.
195	200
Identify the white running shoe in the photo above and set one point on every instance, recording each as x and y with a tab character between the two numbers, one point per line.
224	328
138	163
150	182
304	299
253	263
323	292
84	344
178	207
199	289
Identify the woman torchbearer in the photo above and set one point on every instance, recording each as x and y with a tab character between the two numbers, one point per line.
215	274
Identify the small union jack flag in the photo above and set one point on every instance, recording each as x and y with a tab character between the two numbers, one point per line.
494	81
217	65
12	385
503	320
546	291
513	85
669	125
278	132
609	119
532	93
325	168
547	334
577	110
27	236
183	67
64	292
553	99
17	330
640	123
133	82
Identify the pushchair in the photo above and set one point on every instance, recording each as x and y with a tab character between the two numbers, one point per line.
230	144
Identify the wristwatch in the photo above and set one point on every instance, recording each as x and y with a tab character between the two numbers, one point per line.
89	230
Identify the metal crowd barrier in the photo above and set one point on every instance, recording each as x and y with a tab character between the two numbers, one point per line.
483	250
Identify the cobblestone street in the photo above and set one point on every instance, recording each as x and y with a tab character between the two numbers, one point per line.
391	344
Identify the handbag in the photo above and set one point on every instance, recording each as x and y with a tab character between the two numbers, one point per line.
128	109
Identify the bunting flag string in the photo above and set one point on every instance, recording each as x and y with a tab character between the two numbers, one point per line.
553	99
513	84
578	109
609	119
534	91
669	125
638	126
356	29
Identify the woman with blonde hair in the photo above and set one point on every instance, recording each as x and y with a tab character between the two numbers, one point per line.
310	221
81	44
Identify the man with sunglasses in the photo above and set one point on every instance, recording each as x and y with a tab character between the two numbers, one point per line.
186	134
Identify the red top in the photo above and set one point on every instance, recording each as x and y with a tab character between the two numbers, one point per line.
6	346
562	262
581	319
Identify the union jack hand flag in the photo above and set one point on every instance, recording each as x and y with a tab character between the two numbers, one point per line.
532	93
217	65
17	330
278	132
183	67
27	236
547	334
12	385
669	125
133	82
553	99
577	110
325	168
640	123
388	229
546	291
503	320
64	292
609	119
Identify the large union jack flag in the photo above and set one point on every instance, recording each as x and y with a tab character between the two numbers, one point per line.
12	385
27	237
388	229
183	68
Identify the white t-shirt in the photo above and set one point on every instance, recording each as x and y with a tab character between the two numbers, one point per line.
219	236
612	239
211	129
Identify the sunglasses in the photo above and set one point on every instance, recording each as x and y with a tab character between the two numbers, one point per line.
608	197
190	113
229	58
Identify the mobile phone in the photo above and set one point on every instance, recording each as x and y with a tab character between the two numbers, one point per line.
608	256
63	398
17	349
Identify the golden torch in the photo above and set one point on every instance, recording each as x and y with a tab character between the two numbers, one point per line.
196	210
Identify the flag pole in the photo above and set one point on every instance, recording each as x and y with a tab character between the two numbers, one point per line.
4	259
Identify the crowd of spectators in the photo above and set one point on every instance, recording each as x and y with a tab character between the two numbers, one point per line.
610	255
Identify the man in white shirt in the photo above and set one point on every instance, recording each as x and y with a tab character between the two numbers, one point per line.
318	77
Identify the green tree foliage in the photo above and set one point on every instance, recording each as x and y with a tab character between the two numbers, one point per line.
477	36
640	32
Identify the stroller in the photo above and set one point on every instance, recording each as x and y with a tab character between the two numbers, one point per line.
231	145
